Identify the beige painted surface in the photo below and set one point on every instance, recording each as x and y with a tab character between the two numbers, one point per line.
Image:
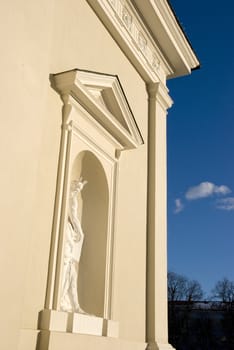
27	175
43	38
86	44
130	247
40	38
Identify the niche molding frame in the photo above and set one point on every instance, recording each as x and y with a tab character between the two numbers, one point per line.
97	119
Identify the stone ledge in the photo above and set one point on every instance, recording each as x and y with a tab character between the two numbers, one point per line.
28	339
70	341
60	321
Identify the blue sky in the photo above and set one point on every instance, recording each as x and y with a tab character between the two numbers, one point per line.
201	148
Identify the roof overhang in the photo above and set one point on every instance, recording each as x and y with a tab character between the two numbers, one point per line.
167	31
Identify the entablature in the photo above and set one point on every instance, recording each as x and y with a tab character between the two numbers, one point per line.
149	35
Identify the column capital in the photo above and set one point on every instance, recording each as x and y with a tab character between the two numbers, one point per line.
160	93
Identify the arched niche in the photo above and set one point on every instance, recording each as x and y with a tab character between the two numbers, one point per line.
93	212
97	125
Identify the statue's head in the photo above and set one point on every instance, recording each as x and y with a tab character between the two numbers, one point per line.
78	185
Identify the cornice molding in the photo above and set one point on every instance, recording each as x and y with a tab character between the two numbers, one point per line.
103	97
165	28
177	33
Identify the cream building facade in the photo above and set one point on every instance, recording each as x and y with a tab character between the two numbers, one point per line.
83	182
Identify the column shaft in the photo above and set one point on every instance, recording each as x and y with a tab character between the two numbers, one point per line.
156	302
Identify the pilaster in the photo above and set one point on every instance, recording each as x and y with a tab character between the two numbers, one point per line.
156	302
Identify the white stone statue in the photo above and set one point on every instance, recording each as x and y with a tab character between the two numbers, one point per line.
72	252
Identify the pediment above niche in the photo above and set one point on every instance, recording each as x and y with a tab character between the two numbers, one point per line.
103	97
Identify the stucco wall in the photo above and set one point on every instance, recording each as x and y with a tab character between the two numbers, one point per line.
40	38
27	171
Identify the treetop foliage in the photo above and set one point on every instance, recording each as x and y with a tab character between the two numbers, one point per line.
224	291
181	288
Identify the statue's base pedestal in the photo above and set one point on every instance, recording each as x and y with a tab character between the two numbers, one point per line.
85	324
52	320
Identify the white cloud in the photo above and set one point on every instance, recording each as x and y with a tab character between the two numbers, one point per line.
178	206
225	203
206	189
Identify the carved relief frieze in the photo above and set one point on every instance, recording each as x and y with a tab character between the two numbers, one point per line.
142	42
127	18
140	37
155	62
